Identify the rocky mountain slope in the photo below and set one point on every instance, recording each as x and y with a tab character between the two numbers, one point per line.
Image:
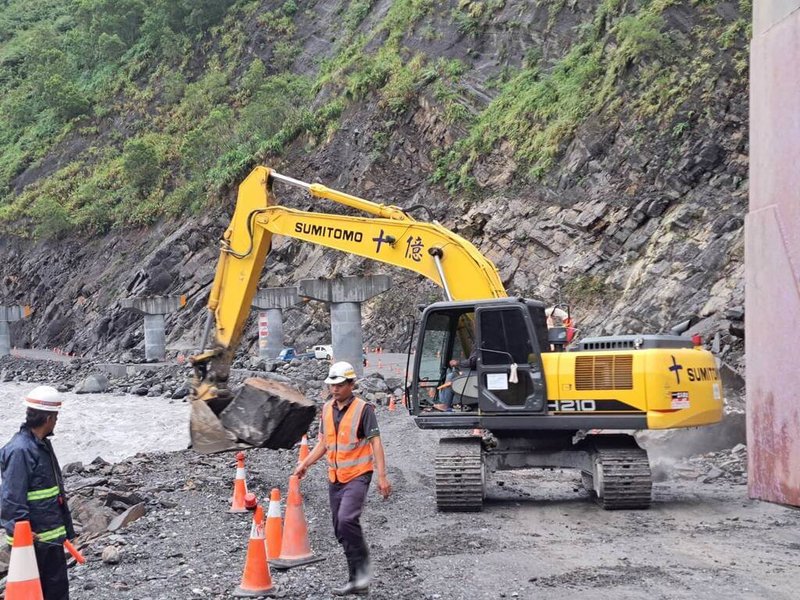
595	150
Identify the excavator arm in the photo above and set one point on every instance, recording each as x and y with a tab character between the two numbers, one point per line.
390	236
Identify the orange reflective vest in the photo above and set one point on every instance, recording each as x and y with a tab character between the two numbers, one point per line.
348	456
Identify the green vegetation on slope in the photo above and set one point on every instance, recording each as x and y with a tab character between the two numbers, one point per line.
620	57
121	112
122	74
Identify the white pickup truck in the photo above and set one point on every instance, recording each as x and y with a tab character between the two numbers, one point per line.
323	352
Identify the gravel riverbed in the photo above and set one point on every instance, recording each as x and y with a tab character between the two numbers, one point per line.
539	535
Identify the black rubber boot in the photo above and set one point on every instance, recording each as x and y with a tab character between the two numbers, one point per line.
350	587
363	575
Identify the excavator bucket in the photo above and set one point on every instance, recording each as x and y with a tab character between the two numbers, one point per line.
208	436
263	413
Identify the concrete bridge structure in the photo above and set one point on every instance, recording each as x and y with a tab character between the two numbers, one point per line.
772	254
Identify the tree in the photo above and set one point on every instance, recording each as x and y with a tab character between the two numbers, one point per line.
141	165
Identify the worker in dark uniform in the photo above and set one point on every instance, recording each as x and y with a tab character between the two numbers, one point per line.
350	438
33	490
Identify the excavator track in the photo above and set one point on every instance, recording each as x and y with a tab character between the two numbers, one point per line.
625	478
459	475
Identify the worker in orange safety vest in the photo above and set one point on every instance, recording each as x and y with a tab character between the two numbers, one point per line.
350	439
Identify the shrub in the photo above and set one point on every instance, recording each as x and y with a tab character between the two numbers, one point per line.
50	216
141	165
65	98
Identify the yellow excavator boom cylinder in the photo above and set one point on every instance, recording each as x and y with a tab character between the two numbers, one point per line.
392	237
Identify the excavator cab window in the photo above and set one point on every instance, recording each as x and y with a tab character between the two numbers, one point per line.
447	334
464	339
437	334
509	366
539	321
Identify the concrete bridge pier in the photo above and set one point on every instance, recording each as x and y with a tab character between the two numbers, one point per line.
270	303
772	254
154	308
345	296
9	314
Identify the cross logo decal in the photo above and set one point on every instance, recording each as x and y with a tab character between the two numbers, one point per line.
382	240
676	368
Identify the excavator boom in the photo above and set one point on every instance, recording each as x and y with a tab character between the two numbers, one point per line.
390	236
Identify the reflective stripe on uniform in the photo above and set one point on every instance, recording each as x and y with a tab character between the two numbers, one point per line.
44	536
352	446
357	461
359	408
44	494
52	534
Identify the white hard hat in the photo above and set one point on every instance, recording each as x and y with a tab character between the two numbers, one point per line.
340	372
43	397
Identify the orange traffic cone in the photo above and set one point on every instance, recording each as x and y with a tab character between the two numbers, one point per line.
304	447
391	402
295	548
239	486
274	528
256	579
23	573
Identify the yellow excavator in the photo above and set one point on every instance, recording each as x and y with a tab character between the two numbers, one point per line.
538	399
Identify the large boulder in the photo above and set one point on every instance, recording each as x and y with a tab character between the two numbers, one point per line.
372	385
127	517
96	383
90	515
268	413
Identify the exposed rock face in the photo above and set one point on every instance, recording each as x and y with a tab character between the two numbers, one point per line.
635	228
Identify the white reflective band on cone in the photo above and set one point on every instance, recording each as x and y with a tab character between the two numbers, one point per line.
239	473
23	565
257	531
274	509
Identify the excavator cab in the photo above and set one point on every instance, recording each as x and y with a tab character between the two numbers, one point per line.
498	345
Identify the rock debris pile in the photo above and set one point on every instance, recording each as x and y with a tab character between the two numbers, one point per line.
725	465
82	375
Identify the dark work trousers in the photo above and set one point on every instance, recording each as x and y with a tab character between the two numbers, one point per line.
347	500
52	570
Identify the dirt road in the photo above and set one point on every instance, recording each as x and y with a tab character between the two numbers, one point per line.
538	537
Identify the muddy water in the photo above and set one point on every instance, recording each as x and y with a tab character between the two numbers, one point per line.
111	426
